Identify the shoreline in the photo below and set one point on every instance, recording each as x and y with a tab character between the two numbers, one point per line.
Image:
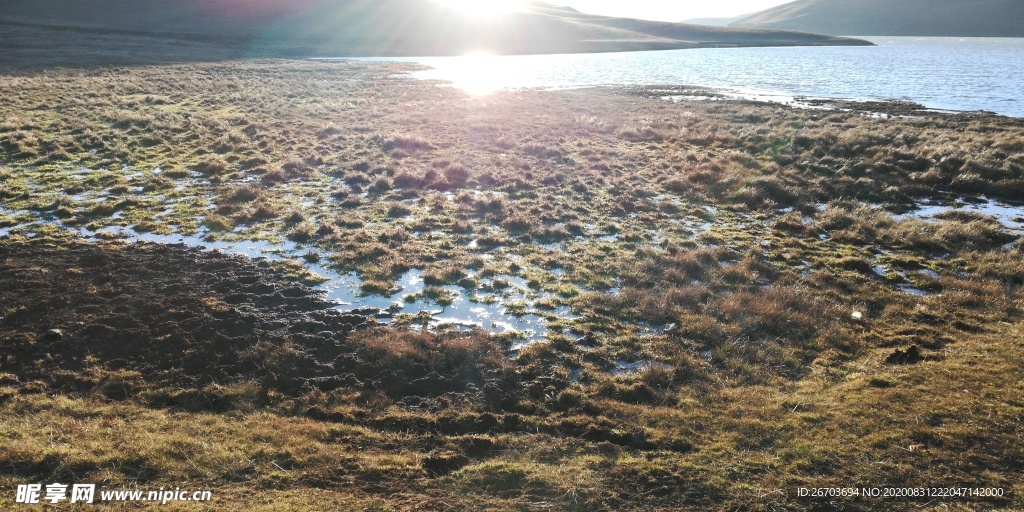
568	71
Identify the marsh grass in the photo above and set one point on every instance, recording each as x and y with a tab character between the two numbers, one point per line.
725	244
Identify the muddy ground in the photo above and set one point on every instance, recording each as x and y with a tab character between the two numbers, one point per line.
185	318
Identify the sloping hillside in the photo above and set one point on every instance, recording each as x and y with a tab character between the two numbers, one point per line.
953	18
715	22
382	27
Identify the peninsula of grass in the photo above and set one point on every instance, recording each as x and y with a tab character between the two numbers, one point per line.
740	301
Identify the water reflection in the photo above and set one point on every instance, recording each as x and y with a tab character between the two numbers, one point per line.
941	73
1010	216
500	304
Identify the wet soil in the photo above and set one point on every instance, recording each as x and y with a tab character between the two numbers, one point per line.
181	317
174	326
894	108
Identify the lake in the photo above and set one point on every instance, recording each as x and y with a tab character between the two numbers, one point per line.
940	73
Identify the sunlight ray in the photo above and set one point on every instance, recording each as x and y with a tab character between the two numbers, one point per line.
484	9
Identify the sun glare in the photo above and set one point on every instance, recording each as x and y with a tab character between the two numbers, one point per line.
478	74
484	8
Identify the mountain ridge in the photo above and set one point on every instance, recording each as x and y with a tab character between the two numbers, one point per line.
939	18
384	27
716	22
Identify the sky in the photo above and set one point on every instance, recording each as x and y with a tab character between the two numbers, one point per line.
672	10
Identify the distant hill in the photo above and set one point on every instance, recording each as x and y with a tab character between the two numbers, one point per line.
381	27
952	18
715	22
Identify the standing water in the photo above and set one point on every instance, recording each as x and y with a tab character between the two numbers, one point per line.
938	72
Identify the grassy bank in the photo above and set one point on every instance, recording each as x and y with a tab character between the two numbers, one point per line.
739	299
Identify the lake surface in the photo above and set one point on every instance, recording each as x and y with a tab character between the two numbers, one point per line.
940	73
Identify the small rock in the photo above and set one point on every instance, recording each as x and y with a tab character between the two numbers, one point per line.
54	335
857	315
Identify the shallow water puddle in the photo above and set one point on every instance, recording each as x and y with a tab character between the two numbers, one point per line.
906	288
499	304
502	303
4	215
1011	216
906	281
461	309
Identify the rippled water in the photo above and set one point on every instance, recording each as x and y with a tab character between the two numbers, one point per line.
940	73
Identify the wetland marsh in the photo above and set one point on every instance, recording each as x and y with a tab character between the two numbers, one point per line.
575	300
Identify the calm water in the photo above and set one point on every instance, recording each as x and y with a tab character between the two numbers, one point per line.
941	73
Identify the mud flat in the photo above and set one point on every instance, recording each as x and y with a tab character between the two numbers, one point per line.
376	293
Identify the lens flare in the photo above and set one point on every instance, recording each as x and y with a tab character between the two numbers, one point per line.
484	8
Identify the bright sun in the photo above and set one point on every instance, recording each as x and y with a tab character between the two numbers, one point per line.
484	8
